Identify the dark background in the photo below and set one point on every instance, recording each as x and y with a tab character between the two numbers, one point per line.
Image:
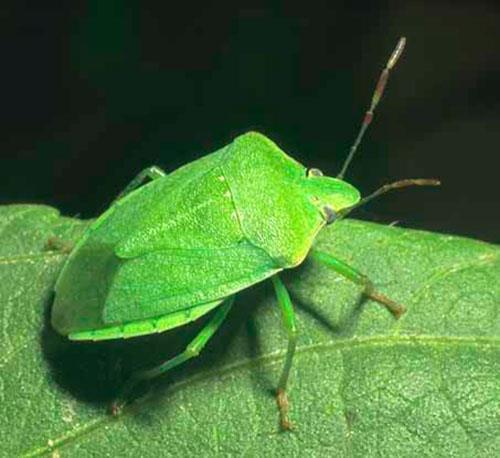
94	91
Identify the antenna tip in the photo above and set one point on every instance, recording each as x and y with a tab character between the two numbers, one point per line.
427	182
396	54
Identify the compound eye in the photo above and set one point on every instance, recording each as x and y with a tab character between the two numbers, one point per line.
314	173
330	214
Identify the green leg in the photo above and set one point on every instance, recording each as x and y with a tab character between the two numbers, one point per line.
352	274
152	173
192	350
286	306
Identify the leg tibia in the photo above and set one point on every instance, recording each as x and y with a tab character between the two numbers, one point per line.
151	173
357	277
288	314
191	351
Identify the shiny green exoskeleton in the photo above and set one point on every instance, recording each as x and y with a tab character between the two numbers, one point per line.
172	250
175	248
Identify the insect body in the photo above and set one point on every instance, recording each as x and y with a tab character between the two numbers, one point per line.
176	247
170	251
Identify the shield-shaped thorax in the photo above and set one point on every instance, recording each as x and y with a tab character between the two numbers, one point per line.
273	210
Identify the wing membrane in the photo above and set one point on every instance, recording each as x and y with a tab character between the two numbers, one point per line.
166	281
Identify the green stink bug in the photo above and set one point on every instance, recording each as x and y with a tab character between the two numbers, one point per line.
172	250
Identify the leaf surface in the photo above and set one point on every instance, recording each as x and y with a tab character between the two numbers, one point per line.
362	384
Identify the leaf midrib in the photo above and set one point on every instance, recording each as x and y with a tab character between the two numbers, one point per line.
270	359
49	255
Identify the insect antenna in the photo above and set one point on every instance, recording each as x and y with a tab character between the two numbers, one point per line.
377	94
389	187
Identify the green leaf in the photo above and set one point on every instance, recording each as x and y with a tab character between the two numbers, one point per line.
362	383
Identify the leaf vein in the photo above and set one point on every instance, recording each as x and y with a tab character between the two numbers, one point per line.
270	358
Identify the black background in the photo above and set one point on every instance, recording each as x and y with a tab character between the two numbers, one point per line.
94	91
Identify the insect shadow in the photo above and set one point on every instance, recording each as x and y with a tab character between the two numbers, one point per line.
94	372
